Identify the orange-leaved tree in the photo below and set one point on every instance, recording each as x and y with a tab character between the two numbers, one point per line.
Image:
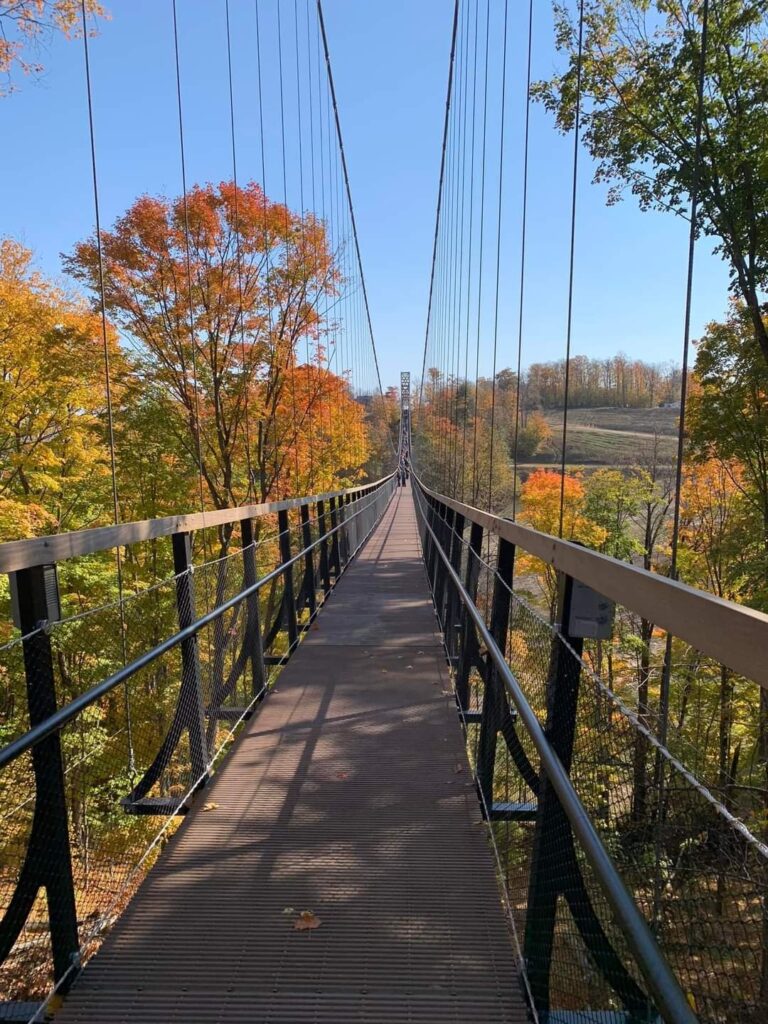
321	436
218	289
541	496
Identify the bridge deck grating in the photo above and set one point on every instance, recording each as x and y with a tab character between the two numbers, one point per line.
348	794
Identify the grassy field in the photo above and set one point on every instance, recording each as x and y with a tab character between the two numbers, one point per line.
611	437
633	421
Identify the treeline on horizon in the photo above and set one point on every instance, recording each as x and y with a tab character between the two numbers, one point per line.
611	382
616	381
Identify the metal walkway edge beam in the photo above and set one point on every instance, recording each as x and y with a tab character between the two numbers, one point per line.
21	554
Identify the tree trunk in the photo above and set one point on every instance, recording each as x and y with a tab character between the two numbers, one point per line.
639	766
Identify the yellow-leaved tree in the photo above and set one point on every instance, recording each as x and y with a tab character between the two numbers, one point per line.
54	455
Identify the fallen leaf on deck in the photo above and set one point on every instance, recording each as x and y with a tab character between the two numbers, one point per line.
290	910
458	768
306	921
210	807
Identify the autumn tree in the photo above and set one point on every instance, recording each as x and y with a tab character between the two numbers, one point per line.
218	289
24	23
383	419
729	425
461	442
54	456
533	436
613	501
728	420
541	496
55	466
716	531
639	85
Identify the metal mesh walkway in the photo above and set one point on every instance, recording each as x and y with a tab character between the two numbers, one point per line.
348	795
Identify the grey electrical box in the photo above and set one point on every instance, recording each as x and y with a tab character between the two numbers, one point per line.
50	582
590	615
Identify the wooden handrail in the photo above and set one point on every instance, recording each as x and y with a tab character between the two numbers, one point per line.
22	554
730	633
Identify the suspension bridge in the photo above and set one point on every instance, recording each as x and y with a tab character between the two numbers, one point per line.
337	762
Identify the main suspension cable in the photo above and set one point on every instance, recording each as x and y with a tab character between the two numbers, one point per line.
350	204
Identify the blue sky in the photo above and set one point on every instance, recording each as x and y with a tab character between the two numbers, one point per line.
390	62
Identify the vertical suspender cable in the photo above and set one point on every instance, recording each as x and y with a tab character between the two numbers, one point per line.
575	176
498	249
694	210
522	259
108	385
308	387
457	258
481	248
239	261
469	254
266	485
666	670
317	389
460	276
440	187
447	333
290	363
188	260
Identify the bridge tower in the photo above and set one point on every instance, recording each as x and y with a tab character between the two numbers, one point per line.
405	424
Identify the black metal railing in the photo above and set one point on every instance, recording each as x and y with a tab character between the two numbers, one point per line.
620	916
96	775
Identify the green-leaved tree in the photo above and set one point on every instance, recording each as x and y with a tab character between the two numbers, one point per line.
639	80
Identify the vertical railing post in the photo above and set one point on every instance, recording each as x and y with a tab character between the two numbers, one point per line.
429	552
468	645
437	526
451	607
48	861
253	617
335	559
552	826
310	582
355	523
493	694
344	531
443	532
325	571
289	597
191	697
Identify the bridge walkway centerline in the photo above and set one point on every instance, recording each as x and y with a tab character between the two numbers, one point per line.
348	794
